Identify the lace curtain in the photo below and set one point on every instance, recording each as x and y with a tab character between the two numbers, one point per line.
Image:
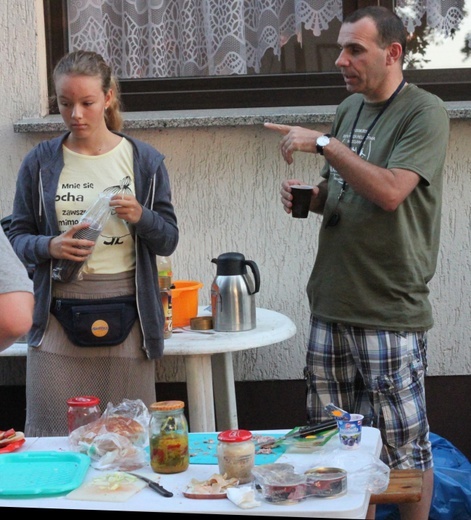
176	38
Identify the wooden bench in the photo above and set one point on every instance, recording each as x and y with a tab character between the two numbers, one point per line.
405	485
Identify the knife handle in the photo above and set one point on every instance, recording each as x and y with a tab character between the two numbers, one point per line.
329	424
161	490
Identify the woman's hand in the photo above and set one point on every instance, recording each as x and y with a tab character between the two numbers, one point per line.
127	208
70	248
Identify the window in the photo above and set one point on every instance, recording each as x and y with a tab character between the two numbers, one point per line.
303	74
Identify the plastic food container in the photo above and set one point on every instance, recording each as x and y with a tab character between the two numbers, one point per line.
279	484
184	302
310	443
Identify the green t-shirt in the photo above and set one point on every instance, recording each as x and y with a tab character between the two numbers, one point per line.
373	267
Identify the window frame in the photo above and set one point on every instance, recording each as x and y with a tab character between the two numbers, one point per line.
271	90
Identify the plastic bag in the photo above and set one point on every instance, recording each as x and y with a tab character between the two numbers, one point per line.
327	476
117	440
96	216
452	481
451	487
365	471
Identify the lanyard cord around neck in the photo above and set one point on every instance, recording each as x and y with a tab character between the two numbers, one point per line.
385	106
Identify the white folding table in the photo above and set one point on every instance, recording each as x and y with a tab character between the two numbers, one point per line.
354	504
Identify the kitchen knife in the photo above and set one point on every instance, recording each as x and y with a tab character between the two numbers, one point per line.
304	431
153	485
314	428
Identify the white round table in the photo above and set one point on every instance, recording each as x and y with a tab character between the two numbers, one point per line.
208	365
209	369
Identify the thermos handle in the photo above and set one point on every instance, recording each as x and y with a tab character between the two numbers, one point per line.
256	274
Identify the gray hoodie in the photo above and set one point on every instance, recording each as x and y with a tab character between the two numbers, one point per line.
34	224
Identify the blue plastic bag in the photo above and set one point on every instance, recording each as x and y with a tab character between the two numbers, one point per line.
451	488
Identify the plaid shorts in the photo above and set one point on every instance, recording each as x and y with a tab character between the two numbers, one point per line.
379	374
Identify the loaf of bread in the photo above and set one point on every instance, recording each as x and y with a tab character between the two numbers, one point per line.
117	440
119	424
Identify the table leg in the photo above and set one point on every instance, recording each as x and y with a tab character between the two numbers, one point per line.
200	393
224	391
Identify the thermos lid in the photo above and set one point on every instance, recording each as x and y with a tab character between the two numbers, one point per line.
230	264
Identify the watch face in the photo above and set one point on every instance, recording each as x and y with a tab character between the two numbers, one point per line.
323	140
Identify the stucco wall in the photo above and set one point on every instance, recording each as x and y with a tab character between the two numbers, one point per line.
226	193
20	91
226	184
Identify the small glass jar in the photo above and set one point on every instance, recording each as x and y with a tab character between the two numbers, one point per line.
165	285
236	454
82	410
168	437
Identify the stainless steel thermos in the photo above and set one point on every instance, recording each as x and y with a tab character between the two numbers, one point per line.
233	293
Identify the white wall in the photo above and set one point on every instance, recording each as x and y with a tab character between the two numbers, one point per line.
225	183
20	91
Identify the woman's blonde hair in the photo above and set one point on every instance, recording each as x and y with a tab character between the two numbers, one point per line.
88	63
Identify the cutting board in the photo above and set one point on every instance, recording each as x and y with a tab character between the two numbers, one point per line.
94	491
203	450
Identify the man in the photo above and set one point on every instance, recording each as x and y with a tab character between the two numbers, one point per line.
380	198
16	296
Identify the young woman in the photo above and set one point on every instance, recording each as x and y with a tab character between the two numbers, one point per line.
58	181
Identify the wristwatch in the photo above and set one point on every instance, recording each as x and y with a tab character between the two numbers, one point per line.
322	142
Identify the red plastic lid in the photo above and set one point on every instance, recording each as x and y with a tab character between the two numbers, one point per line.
84	400
235	436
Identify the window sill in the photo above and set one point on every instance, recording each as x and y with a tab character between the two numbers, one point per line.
308	115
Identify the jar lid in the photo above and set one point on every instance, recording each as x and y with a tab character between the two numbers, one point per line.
165	406
201	323
83	400
235	436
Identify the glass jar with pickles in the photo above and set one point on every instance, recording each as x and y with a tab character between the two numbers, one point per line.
168	437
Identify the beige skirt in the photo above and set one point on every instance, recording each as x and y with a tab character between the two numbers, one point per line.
58	369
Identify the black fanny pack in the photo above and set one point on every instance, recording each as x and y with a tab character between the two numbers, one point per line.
96	323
